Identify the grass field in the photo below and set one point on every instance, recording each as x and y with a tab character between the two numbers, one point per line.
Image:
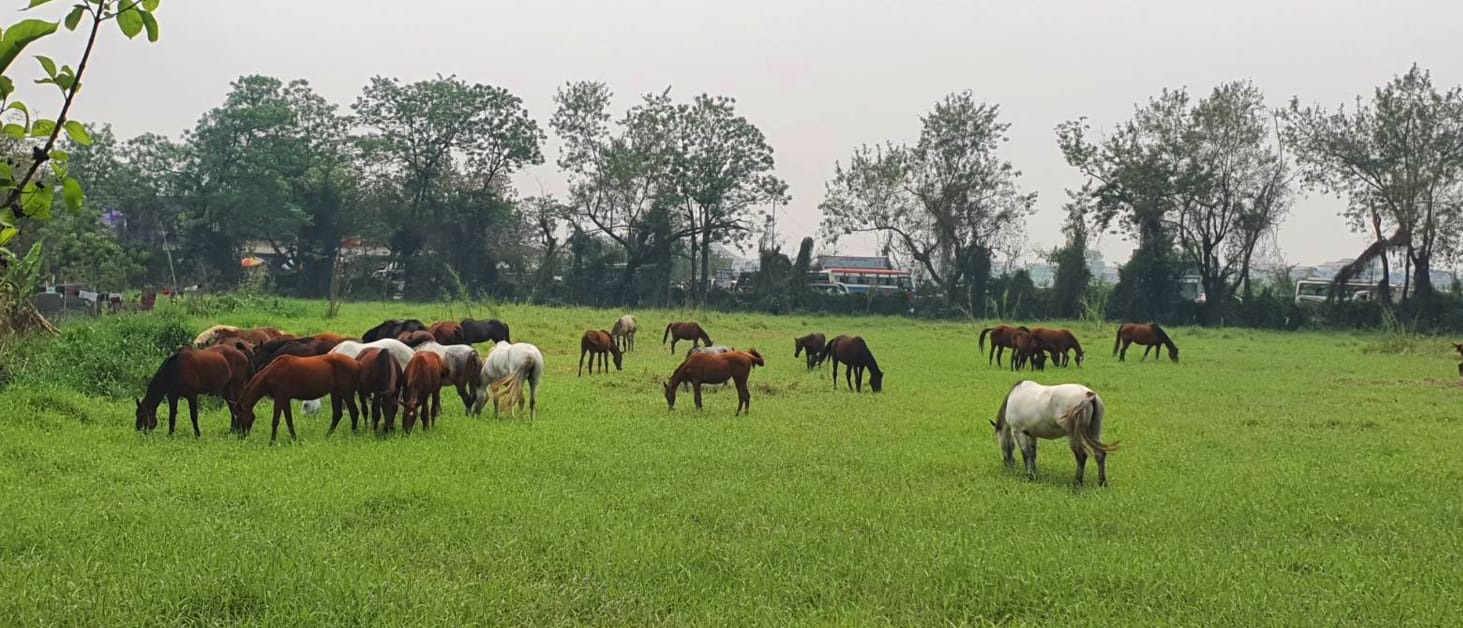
1271	479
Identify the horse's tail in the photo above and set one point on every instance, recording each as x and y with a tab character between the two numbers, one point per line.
983	333
667	335
1083	415
382	370
1118	340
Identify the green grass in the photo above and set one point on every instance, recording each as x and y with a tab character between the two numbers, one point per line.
1272	479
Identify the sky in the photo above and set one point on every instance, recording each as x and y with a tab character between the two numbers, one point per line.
818	78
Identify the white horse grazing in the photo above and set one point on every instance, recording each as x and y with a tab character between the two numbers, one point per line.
624	333
350	348
464	368
507	367
1031	411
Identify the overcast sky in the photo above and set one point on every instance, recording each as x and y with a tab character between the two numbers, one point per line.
817	77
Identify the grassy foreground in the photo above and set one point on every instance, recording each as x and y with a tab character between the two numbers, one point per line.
1272	479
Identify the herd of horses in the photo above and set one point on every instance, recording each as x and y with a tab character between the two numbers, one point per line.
1033	346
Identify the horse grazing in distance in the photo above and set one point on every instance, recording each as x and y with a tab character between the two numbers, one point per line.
1062	342
813	345
421	392
223	334
715	368
855	356
490	330
1031	411
1459	347
682	330
1150	335
1001	340
507	368
448	333
464	367
319	344
219	370
309	377
380	385
598	345
624	331
392	328
1030	349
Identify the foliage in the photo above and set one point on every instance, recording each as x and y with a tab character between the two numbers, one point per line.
1072	276
112	357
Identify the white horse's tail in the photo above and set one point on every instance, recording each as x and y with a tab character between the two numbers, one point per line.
1080	419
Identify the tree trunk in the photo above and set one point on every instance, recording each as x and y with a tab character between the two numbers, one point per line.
1422	277
705	266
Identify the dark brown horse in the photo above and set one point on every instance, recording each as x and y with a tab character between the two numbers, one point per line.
319	344
682	330
226	334
1151	336
1030	349
416	338
1459	347
392	328
1063	342
448	333
380	384
813	344
220	370
421	392
598	344
854	354
1001	340
715	368
490	330
303	377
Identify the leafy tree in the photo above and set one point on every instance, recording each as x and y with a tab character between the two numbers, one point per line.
1072	274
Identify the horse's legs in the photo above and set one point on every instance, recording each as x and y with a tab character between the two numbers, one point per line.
1028	453
466	400
674	340
355	410
436	406
848	376
835	374
274	430
1123	357
1101	467
1008	452
744	396
193	414
1081	454
1146	349
337	408
697	385
172	413
289	419
858	378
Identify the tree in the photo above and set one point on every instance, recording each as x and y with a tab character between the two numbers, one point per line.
946	201
1072	275
1397	159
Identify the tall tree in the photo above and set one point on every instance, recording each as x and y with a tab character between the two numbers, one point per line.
1072	275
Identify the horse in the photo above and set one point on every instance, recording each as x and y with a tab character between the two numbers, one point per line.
464	368
623	332
715	368
421	391
219	370
1030	348
447	333
490	330
303	377
380	384
1031	411
352	349
598	344
854	354
1063	342
713	349
220	334
508	366
1459	347
1001	337
813	344
678	331
319	344
392	328
414	339
1150	335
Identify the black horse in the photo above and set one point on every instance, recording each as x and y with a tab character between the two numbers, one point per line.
490	330
392	328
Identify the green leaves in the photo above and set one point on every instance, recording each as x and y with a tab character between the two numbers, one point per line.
130	21
7	234
14	131
48	65
150	23
19	36
72	194
36	200
77	133
36	3
43	128
150	5
73	19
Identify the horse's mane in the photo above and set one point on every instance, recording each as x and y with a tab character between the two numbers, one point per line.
1162	335
1001	414
209	334
868	356
386	370
167	372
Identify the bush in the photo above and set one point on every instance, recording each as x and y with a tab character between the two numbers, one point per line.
112	357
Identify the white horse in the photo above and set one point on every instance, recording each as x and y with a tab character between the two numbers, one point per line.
464	368
1031	411
350	348
504	372
624	332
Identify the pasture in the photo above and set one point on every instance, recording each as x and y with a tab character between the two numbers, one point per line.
1270	479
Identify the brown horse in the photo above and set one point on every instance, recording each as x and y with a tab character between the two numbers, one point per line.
715	368
220	370
1063	342
1459	347
303	377
855	356
1001	340
380	383
447	333
682	330
319	344
1030	348
225	334
416	338
422	389
1150	335
813	344
598	344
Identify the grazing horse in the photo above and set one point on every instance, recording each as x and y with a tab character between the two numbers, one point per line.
680	330
448	333
813	344
1031	411
508	366
309	377
220	334
219	370
713	349
319	344
1030	348
392	328
464	368
1459	347
352	349
715	368
598	345
1001	340
380	384
855	356
1150	335
421	392
490	330
416	338
623	332
1063	342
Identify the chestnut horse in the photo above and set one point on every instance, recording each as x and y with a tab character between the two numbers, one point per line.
448	333
222	334
220	370
1001	337
464	370
380	384
490	330
319	344
682	330
598	345
813	344
624	331
855	356
303	377
1150	335
416	338
422	390
1063	342
715	368
1030	348
392	328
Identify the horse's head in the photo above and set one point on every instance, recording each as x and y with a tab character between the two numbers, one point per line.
618	357
146	417
670	395
409	406
797	347
1459	347
876	381
1173	352
1080	357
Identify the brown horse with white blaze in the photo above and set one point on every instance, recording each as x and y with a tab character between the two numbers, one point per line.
303	377
1002	338
715	368
1151	336
599	345
684	330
